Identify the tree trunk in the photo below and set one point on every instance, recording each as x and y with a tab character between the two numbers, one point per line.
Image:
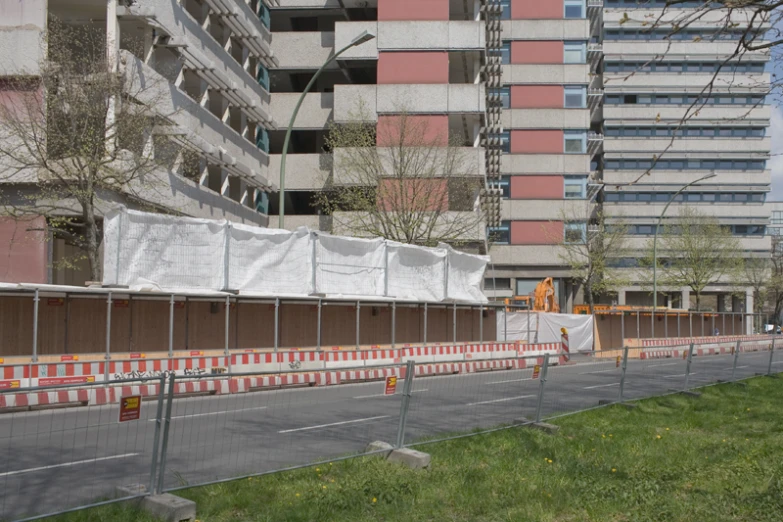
91	240
698	301
589	294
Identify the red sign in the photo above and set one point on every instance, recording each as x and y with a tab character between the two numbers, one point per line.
55	301
130	408
391	386
53	381
619	358
137	356
179	304
536	371
196	354
64	358
121	303
7	385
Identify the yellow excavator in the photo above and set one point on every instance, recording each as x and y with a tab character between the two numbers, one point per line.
544	299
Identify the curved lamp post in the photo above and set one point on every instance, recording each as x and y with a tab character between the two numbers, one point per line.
655	245
363	37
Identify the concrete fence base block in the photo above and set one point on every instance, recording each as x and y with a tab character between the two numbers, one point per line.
411	458
131	490
170	508
384	448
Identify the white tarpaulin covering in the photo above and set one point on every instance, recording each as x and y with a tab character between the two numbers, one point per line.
545	328
143	250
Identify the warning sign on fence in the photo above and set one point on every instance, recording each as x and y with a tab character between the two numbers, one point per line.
391	386
536	371
617	364
130	408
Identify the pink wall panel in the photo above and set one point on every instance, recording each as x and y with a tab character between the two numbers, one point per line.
536	232
418	130
413	9
537	96
418	194
413	67
537	142
536	52
536	9
23	252
537	187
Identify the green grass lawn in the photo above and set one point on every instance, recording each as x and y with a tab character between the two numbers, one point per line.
714	458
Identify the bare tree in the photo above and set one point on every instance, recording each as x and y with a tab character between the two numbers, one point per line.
74	135
695	251
402	180
775	284
757	274
588	253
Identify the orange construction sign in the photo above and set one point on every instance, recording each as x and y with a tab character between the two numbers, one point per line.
391	386
617	364
7	385
536	371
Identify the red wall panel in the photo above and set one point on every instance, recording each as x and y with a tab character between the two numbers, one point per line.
537	142
536	232
422	130
413	10
537	187
537	96
537	52
23	250
413	67
537	9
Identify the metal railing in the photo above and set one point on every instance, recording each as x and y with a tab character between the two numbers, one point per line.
58	460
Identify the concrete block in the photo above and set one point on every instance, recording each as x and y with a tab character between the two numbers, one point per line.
170	508
383	447
411	458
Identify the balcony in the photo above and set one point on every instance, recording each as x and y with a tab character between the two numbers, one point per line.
544	164
693	82
421	99
687	145
545	118
315	112
545	209
414	35
303	50
527	255
546	29
725	213
649	113
547	74
662	179
303	171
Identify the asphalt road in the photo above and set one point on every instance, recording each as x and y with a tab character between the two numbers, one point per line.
53	460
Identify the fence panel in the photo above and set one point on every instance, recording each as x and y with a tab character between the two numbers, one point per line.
55	460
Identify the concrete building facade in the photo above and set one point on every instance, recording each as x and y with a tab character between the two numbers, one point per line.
208	60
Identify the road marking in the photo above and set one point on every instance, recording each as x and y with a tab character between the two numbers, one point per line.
657	365
601	386
778	362
599	371
512	380
500	400
678	375
213	413
384	395
306	428
68	464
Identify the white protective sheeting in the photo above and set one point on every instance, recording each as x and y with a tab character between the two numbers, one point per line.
167	253
270	261
545	328
416	273
465	276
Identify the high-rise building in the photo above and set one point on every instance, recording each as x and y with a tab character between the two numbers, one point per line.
558	105
207	63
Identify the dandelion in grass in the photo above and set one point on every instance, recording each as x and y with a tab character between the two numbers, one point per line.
658	436
374	500
298	495
614	470
323	487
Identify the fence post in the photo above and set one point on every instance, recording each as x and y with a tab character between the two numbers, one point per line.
164	449
318	336
158	421
622	375
385	268
107	356
736	358
638	330
541	383
314	240
666	324
277	323
771	355
410	370
505	326
358	314
723	319
228	331
454	324
690	324
528	322
34	358
425	324
622	327
688	366
171	326
679	334
481	323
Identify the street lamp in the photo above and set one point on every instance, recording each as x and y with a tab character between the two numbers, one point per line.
655	243
366	36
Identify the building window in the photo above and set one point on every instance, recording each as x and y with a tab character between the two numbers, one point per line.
497	283
575	141
262	202
262	139
575	52
500	235
505	141
263	14
505	9
504	184
777	217
575	233
575	97
505	53
575	187
263	77
574	9
504	94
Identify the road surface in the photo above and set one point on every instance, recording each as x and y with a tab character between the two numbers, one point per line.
52	460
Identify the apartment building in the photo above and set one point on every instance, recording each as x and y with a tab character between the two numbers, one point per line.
208	63
649	84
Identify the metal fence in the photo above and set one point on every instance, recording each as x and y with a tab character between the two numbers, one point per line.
57	460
